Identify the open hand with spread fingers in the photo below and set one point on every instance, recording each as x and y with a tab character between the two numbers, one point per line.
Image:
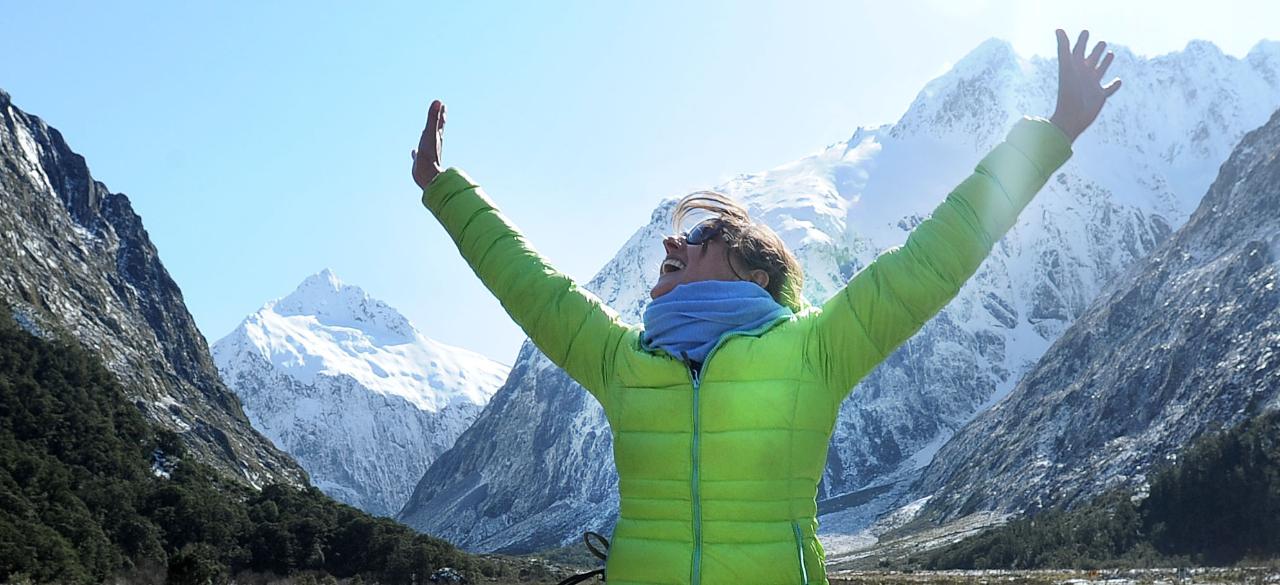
426	158
1080	94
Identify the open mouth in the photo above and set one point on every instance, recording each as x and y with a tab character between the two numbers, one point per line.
671	265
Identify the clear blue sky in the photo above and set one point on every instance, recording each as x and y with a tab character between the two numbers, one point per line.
261	142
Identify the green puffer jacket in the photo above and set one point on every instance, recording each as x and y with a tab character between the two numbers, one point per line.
718	471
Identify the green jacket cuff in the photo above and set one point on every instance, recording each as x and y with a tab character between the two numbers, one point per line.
452	180
1043	143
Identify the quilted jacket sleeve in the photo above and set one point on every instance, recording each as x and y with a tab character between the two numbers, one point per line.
571	326
892	298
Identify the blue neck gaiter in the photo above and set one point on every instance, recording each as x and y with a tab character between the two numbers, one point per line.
688	321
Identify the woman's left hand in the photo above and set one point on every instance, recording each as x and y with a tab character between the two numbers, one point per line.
1080	97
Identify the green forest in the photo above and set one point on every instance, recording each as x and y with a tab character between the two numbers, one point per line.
83	500
1218	505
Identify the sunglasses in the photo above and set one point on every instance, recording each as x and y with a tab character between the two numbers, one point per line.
703	232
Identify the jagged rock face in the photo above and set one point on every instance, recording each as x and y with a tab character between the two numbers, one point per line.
1135	177
77	259
347	385
1186	342
552	437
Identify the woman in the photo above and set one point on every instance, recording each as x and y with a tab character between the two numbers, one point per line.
723	402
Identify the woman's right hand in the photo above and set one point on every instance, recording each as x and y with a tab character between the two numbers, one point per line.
427	166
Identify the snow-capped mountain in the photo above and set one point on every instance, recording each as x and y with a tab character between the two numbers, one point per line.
1189	340
537	468
346	385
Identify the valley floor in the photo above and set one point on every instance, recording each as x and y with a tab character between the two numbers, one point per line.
1243	576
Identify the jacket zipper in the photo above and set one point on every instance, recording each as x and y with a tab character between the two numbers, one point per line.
695	576
695	376
804	573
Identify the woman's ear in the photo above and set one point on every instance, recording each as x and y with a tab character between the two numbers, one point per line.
760	277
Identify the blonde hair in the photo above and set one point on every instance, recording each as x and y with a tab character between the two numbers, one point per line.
755	244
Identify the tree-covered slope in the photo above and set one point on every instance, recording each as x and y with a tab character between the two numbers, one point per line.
90	491
1218	505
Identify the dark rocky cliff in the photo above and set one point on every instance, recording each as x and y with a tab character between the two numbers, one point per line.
77	261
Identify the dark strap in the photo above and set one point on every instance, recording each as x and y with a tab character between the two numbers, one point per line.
600	554
582	577
604	542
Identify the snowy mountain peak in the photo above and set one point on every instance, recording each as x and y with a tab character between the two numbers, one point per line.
1265	47
325	279
1199	48
1265	58
344	383
974	98
326	327
332	302
991	53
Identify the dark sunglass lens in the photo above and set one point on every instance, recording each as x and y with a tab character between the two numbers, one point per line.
695	236
701	233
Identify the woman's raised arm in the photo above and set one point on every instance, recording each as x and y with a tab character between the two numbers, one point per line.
892	298
569	324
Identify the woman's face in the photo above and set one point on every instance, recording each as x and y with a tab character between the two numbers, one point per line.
691	263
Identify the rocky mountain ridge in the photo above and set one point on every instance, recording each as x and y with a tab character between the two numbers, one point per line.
78	261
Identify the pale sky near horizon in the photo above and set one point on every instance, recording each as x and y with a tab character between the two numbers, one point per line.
263	142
